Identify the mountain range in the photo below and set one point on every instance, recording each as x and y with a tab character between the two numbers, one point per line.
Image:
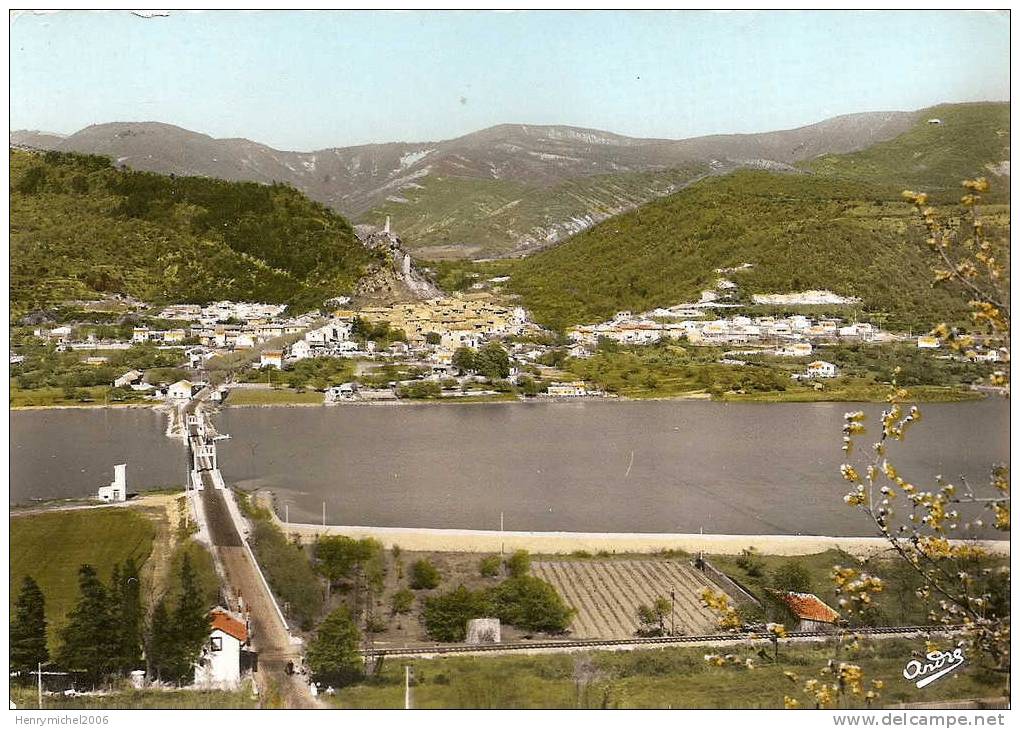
508	189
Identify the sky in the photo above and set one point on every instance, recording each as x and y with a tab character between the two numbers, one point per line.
310	80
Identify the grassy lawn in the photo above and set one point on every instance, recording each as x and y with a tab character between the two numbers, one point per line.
27	698
246	396
670	677
50	396
51	546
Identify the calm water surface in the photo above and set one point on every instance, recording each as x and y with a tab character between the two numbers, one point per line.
680	466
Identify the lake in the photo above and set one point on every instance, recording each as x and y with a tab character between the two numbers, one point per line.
663	466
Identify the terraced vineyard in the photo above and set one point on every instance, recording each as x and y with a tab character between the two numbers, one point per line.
607	593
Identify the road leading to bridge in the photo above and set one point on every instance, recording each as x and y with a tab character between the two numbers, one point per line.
269	634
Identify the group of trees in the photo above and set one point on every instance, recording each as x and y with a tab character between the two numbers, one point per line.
524	601
44	366
490	360
382	333
288	571
189	238
107	629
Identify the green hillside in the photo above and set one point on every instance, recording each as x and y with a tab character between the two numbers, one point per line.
81	228
971	140
454	216
841	227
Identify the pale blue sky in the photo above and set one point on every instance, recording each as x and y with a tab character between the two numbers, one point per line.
307	80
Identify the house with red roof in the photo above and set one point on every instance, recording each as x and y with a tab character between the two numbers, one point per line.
814	615
223	655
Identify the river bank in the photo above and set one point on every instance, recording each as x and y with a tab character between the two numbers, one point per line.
489	541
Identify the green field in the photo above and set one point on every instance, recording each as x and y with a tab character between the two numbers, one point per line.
51	546
250	396
665	678
27	698
50	396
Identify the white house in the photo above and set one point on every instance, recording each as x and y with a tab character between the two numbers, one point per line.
117	490
819	368
797	349
567	389
131	377
301	349
928	342
180	390
271	358
346	391
219	665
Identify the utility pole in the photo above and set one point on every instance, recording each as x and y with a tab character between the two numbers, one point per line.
323	514
39	674
407	687
672	612
501	543
286	511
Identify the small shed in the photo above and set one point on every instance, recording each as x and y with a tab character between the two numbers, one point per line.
814	615
483	630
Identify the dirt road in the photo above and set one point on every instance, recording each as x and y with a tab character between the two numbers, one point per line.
269	635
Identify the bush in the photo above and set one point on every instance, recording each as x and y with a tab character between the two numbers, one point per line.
791	577
402	601
519	563
751	562
446	616
424	575
333	653
531	604
489	566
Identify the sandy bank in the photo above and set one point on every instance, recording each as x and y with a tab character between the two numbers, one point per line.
467	540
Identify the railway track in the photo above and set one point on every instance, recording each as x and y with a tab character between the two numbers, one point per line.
565	645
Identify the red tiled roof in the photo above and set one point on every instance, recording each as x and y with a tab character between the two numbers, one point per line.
808	607
221	620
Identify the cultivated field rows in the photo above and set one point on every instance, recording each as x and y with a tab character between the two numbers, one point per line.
606	594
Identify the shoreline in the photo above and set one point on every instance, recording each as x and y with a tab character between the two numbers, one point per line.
688	397
415	539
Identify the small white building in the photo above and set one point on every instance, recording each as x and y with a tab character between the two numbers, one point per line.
820	368
797	349
301	349
129	378
271	358
117	490
928	342
339	393
180	390
567	389
219	666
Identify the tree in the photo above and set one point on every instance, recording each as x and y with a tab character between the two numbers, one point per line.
492	361
424	575
532	604
446	616
519	563
489	566
791	577
191	618
162	653
433	338
403	599
648	621
28	629
89	638
127	604
464	359
333	654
